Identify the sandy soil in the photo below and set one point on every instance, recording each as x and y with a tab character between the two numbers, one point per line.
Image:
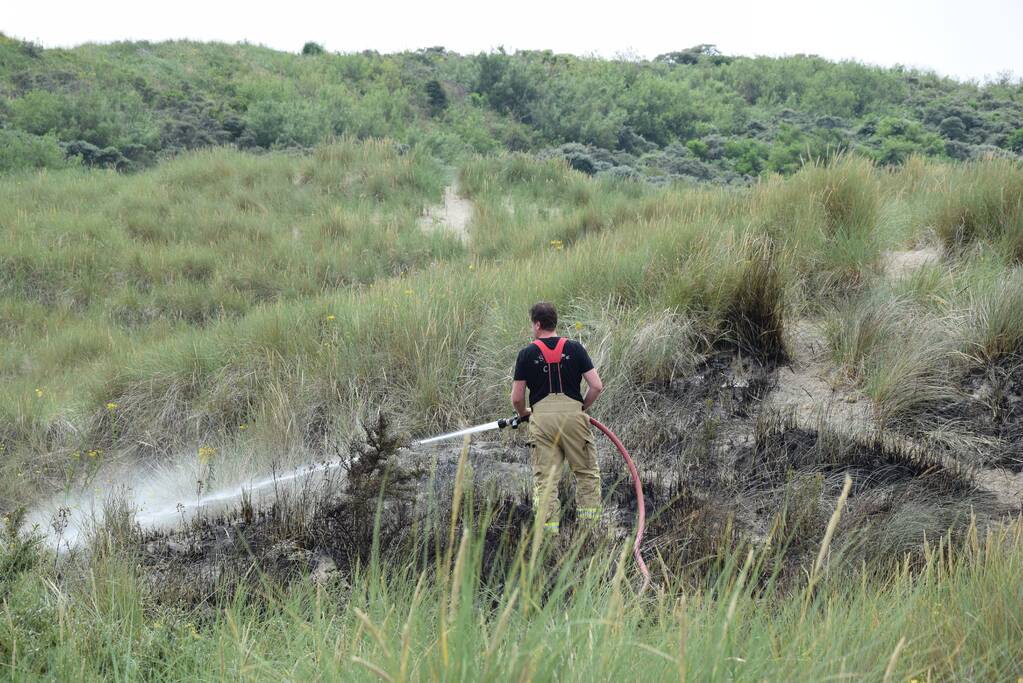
454	215
809	389
899	264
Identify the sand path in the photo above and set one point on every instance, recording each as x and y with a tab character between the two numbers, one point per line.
454	215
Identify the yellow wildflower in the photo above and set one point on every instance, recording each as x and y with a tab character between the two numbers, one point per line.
472	266
206	452
242	428
578	326
330	318
39	393
408	291
111	406
558	244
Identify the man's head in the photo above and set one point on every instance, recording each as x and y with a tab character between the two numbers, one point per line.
544	317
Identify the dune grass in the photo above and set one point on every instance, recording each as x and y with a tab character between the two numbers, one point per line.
980	201
909	342
431	343
290	294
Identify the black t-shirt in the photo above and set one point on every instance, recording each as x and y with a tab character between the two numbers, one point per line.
531	367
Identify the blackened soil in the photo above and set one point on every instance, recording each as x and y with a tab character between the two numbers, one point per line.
991	405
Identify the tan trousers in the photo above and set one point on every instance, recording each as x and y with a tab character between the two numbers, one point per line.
559	430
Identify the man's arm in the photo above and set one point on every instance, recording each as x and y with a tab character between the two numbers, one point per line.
593	388
518	397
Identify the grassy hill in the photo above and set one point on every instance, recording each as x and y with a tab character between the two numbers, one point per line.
692	114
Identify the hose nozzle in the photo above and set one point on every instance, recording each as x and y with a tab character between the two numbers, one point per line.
512	422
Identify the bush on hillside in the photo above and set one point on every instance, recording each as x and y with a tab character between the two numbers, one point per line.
585	158
20	150
91	155
509	85
1015	141
952	128
437	99
271	124
741	116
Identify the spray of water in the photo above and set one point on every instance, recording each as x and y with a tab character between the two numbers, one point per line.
161	498
462	432
166	496
163	515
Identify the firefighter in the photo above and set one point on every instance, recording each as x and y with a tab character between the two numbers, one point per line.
553	368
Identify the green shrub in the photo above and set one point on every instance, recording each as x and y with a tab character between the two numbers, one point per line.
698	147
952	128
1015	141
271	124
436	97
40	113
22	151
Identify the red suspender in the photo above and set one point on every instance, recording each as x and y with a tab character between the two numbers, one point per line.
552	357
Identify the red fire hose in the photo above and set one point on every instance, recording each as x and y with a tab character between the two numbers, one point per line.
640	505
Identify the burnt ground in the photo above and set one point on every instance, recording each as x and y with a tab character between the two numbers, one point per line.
990	408
720	467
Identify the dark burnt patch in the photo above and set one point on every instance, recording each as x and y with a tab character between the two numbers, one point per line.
780	447
991	405
679	424
982	422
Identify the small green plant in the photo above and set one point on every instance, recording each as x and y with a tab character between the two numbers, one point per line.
374	473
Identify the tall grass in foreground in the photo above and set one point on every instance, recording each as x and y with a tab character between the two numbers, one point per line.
564	613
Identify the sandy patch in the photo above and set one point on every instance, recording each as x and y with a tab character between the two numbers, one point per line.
808	390
900	264
454	215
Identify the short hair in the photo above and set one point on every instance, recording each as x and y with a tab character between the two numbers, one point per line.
545	314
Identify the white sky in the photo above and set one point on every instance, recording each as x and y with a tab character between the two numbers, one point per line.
969	40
